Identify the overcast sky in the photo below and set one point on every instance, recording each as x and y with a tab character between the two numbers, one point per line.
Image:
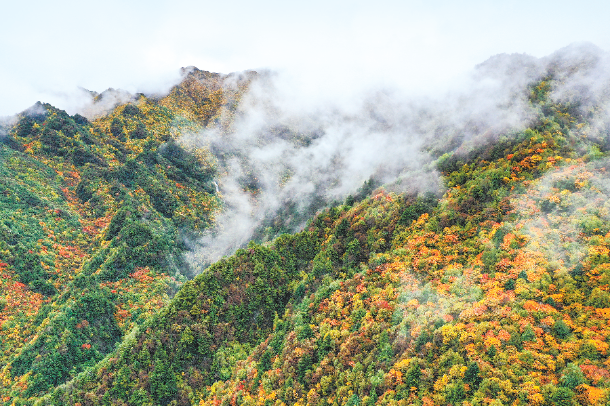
50	48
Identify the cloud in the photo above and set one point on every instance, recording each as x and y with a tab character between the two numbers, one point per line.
289	152
582	84
414	45
5	124
561	214
94	105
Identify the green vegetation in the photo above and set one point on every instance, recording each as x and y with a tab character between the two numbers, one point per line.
495	293
91	221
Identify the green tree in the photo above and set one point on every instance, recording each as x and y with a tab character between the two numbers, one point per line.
563	397
472	375
571	376
413	376
139	132
116	128
385	348
163	382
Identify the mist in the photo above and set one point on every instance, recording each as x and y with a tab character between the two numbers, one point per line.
50	50
289	153
5	124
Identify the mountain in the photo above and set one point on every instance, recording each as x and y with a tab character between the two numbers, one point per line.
472	266
93	221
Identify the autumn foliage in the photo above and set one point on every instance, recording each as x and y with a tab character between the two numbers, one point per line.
494	292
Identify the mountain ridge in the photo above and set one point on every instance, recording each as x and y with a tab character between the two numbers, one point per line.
493	291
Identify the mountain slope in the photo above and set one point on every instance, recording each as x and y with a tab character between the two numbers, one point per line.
493	291
405	299
94	217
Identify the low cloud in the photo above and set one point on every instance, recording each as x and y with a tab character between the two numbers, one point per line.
5	124
285	156
289	153
96	105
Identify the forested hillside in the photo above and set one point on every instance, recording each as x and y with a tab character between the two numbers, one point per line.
93	221
492	290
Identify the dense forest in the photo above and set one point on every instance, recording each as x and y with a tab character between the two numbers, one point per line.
491	289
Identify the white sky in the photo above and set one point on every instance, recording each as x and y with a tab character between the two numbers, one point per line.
49	48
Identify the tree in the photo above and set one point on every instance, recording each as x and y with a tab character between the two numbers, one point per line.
472	375
131	110
163	382
116	128
455	393
561	329
563	397
412	378
571	376
140	132
385	348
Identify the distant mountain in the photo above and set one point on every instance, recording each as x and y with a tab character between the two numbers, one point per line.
472	267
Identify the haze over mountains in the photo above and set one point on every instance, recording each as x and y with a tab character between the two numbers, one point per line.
233	241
